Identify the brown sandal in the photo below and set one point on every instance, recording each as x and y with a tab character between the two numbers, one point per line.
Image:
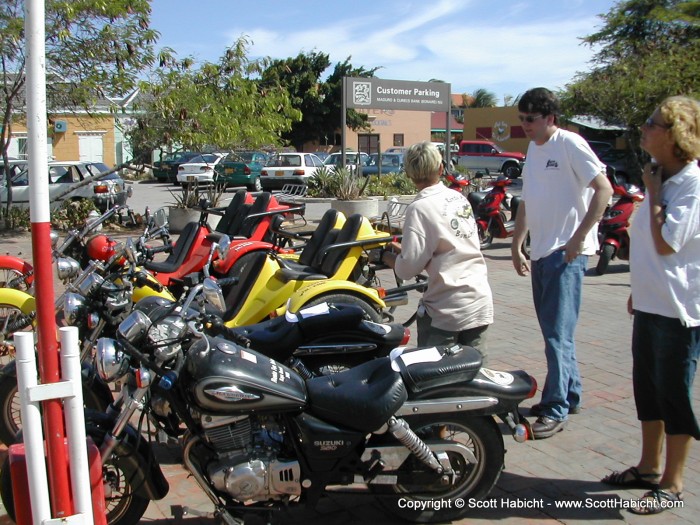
632	478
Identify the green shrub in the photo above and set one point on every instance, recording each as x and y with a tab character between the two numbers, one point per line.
72	214
16	218
343	184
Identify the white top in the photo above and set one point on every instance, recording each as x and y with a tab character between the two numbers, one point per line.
440	237
669	285
556	179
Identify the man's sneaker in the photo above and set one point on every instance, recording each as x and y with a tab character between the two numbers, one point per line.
546	427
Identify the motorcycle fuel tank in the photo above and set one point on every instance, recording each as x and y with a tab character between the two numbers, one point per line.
228	379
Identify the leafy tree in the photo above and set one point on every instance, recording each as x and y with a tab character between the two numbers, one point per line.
225	105
93	48
649	49
318	101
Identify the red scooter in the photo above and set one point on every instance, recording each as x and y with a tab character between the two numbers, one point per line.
490	212
613	235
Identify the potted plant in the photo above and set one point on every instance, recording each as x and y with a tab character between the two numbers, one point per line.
347	188
187	204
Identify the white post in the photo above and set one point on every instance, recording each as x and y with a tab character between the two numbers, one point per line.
75	422
32	429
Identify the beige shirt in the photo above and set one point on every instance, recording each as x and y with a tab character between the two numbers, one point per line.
440	238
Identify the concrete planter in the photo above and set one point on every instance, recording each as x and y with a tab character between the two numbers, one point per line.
368	207
179	217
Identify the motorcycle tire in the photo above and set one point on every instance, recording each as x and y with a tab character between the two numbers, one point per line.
14	279
10	422
474	481
371	313
124	509
485	237
606	255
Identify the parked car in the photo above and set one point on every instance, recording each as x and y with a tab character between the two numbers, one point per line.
484	154
323	155
335	159
199	168
241	168
600	147
64	175
165	170
289	168
396	149
626	168
390	163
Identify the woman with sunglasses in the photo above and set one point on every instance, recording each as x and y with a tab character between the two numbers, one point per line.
665	301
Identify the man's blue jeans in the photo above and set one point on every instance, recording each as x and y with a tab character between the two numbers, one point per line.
556	290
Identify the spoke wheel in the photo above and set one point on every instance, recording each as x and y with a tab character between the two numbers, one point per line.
9	277
480	435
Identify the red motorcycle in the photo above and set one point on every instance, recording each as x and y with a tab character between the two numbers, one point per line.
461	183
613	234
490	212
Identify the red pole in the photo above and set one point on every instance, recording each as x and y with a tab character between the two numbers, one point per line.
57	462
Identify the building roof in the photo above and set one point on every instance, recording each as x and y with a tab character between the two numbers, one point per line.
594	123
437	123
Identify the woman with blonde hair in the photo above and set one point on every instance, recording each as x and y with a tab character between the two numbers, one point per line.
665	301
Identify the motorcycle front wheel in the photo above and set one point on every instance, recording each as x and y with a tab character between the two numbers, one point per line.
10	417
606	255
123	506
472	480
485	237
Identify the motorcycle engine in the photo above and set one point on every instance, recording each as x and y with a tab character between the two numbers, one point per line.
248	465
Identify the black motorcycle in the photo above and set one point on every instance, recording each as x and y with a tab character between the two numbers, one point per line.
417	426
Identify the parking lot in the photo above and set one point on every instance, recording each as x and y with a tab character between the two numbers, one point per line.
552	480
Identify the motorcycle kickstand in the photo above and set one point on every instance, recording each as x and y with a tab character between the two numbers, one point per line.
219	513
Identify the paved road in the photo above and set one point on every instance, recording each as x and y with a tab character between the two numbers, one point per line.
540	477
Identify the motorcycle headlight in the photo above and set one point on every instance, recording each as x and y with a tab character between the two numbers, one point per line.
90	284
112	362
135	327
53	236
67	268
74	307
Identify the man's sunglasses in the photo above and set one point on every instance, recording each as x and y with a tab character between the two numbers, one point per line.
650	123
529	118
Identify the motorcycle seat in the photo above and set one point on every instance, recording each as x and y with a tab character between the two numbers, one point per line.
180	250
280	338
232	210
457	364
362	398
326	261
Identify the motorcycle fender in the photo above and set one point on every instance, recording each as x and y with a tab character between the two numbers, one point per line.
15	263
326	287
237	250
612	242
134	455
20	300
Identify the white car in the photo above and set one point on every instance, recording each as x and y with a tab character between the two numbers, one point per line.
200	168
64	177
288	168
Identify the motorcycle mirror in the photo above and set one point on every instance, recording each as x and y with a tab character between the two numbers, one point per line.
160	218
479	175
130	251
223	246
213	295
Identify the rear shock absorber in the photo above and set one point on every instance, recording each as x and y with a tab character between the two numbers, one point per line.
401	431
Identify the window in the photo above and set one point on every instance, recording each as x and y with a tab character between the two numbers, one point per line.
398	139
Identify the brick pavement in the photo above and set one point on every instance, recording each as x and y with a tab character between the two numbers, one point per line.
547	473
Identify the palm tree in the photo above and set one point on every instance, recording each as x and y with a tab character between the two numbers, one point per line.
483	98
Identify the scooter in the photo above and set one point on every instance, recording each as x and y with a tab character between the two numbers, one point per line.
462	183
490	212
613	234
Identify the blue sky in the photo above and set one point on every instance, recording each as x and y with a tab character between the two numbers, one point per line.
505	46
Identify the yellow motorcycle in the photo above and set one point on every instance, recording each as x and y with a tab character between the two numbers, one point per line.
332	267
